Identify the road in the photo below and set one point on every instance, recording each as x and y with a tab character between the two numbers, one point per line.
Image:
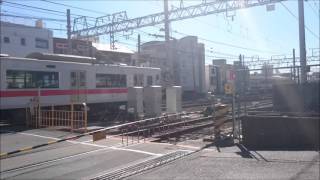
84	159
74	159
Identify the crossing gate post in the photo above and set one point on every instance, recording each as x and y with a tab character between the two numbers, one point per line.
85	117
71	118
122	136
52	116
127	137
39	116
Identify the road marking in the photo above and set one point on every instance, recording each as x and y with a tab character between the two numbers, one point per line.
54	160
95	145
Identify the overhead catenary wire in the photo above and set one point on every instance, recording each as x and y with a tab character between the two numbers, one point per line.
229	45
312	8
70	6
36	10
40	8
33	17
305	26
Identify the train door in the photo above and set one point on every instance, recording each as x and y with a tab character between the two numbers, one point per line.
78	86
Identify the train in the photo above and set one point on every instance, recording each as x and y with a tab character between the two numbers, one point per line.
58	80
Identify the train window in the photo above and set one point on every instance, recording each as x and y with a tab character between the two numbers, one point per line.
82	79
149	80
138	80
18	79
111	80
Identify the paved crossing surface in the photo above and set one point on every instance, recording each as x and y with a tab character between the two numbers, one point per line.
84	159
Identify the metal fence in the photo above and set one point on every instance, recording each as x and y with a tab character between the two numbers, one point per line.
40	117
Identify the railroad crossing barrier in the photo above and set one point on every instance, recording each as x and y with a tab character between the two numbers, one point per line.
39	117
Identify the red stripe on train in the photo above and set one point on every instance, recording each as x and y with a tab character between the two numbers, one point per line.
61	92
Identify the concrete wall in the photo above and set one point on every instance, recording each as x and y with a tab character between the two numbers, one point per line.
16	32
294	97
279	132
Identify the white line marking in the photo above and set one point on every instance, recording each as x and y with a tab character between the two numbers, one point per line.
59	159
95	145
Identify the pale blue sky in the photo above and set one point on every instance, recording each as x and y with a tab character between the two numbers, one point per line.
268	33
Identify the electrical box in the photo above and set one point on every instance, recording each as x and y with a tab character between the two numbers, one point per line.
135	100
152	98
173	99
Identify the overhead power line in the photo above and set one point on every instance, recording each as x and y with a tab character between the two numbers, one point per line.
305	26
35	10
50	10
229	45
44	9
83	9
33	17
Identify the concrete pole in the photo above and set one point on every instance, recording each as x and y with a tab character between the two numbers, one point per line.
294	64
69	32
139	43
302	42
166	21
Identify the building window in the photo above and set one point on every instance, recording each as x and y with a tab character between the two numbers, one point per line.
19	79
23	41
42	43
6	40
111	80
149	80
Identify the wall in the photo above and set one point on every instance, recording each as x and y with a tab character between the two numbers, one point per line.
294	97
280	132
16	32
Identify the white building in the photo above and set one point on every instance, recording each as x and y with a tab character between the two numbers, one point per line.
20	40
211	76
181	62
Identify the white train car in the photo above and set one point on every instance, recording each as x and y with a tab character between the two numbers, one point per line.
60	82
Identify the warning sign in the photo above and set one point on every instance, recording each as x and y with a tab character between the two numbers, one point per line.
228	88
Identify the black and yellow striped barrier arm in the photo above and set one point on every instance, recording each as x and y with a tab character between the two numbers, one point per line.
25	149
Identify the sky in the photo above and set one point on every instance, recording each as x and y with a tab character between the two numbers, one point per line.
253	32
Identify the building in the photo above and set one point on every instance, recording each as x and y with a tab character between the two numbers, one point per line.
225	74
21	40
211	78
120	54
101	52
181	62
79	47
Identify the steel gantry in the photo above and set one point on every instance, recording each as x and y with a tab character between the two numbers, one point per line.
119	22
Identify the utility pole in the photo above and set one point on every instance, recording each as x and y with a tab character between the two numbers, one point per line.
294	64
166	21
69	32
302	42
139	43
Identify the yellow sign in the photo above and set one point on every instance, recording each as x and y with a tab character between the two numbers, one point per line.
99	135
228	88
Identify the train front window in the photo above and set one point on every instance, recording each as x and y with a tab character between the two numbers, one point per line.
19	79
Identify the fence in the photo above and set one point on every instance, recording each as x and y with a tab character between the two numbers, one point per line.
39	117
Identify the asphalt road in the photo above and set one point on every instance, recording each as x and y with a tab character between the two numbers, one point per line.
84	159
231	164
74	159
